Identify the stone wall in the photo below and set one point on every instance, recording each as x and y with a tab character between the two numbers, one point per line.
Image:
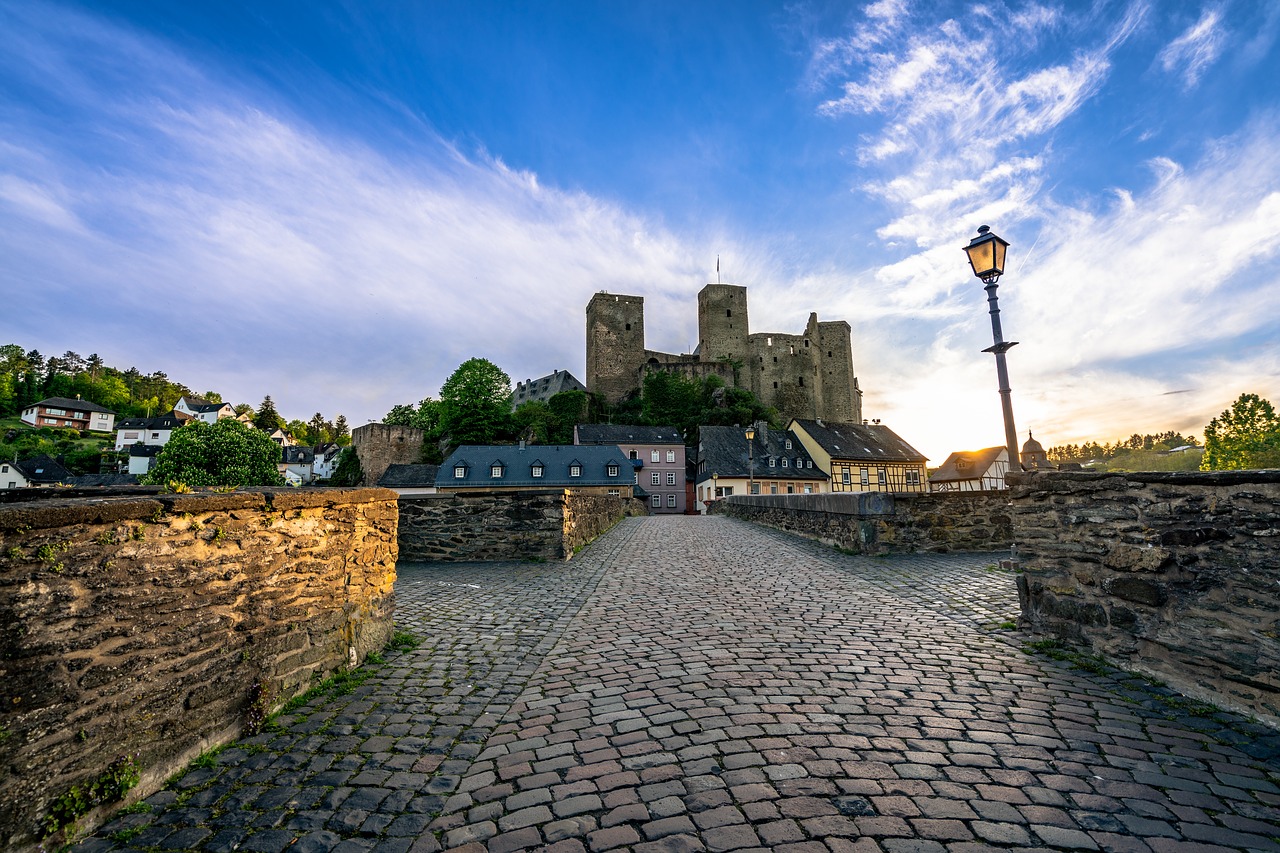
549	524
882	522
1172	574
148	626
379	446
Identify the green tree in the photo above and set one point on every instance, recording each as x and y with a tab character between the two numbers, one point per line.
475	403
267	418
226	453
348	472
532	421
1245	436
341	432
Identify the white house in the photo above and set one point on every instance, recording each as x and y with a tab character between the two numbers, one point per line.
150	431
972	471
202	410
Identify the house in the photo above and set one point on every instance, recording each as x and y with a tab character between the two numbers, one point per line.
656	454
155	431
280	437
863	457
544	388
326	460
772	462
972	471
42	470
203	410
296	465
507	468
70	414
410	479
142	458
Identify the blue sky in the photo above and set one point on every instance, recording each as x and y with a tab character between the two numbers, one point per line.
336	204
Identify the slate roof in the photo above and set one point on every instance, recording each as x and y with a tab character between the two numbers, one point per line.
724	450
860	442
401	476
68	403
518	462
979	463
43	469
545	387
297	455
103	480
626	434
172	420
140	449
200	404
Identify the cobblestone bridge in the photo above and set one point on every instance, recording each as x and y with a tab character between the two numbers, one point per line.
702	684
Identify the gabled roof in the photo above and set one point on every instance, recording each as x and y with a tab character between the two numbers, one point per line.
409	476
43	469
626	434
140	449
172	420
724	450
545	387
68	403
860	442
293	455
518	462
967	465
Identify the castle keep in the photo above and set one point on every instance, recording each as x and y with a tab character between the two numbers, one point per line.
809	375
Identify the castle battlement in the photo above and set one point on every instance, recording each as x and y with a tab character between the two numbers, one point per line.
805	375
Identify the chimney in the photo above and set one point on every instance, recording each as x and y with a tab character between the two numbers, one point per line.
522	444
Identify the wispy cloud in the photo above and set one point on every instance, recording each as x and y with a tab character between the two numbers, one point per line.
1192	52
243	251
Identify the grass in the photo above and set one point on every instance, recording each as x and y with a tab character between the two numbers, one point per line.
208	759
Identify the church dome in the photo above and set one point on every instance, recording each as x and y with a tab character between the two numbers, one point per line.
1031	445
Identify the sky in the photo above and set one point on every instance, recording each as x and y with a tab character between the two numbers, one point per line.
338	203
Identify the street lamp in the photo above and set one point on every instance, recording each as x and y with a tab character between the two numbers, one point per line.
986	255
715	486
751	461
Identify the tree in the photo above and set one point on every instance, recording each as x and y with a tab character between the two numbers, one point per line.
1245	436
341	432
267	418
242	408
226	453
348	472
475	403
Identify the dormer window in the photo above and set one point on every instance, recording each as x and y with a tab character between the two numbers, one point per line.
785	462
772	462
535	470
575	469
496	469
612	469
788	444
460	471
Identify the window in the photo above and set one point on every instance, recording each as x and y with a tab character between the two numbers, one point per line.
865	480
772	462
671	501
728	312
755	488
614	493
799	462
671	456
773	488
656	500
575	470
913	478
655	479
806	343
785	461
612	470
495	471
634	455
535	470
671	478
791	490
801	381
655	456
881	475
459	472
775	385
628	327
788	444
808	488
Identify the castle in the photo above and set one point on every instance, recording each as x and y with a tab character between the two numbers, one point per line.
809	375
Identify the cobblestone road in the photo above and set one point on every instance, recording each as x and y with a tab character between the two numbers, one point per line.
699	683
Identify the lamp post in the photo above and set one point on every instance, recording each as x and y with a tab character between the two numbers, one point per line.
751	461
986	255
715	486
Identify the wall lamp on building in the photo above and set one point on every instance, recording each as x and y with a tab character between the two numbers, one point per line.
986	255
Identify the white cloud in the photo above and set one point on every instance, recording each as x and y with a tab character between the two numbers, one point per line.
1198	47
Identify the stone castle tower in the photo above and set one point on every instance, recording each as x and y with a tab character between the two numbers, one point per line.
809	375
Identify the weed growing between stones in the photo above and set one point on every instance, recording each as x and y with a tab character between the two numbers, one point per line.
259	712
109	787
207	759
48	554
402	641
